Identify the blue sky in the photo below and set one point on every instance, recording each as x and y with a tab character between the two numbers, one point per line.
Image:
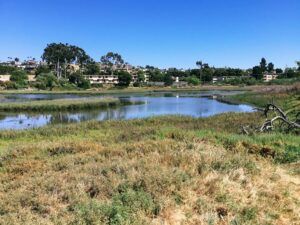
163	33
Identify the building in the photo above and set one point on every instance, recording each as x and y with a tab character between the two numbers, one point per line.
30	65
102	79
4	78
269	76
106	74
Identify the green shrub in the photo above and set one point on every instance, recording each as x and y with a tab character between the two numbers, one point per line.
124	78
193	80
123	209
7	69
291	154
46	80
249	213
20	78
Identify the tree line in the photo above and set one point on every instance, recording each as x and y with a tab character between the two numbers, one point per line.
58	70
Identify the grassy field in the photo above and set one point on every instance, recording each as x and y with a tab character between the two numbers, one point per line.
60	104
163	170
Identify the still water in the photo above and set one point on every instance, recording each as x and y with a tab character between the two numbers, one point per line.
197	104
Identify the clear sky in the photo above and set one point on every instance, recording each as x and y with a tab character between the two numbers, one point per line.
162	33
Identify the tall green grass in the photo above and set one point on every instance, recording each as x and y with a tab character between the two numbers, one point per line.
61	104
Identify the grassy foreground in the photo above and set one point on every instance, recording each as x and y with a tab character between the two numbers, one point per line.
61	104
166	170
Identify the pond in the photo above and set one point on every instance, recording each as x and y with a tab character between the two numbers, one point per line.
195	104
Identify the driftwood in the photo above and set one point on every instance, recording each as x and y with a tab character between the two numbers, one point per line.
269	124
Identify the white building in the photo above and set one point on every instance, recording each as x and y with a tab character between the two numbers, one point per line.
110	79
269	76
4	78
102	79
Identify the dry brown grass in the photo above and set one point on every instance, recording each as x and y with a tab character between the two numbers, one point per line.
156	171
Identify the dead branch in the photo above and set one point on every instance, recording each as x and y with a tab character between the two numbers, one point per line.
269	124
274	108
244	129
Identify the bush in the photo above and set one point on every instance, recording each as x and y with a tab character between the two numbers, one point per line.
20	78
42	69
193	80
136	84
241	81
97	85
84	84
124	78
7	69
124	209
46	80
79	80
168	80
65	84
8	85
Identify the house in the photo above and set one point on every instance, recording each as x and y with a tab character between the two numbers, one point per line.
30	65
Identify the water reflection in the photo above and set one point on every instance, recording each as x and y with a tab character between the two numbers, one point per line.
181	104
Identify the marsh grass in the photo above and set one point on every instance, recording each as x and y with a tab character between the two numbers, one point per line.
62	104
162	170
166	169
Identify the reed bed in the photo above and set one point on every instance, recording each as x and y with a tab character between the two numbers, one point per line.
61	104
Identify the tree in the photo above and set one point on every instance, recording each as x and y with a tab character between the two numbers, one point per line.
257	72
270	67
42	69
298	64
61	54
168	79
20	78
200	65
140	78
112	60
279	71
92	69
263	64
156	75
17	59
290	73
207	74
124	78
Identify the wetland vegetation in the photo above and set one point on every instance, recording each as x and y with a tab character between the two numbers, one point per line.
172	169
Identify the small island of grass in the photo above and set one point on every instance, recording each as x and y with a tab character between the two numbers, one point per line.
62	104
